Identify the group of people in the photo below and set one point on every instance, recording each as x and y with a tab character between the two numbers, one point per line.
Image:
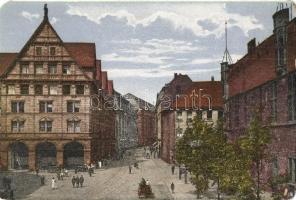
77	181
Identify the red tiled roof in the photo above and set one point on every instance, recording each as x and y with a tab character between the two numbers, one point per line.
83	53
6	60
213	89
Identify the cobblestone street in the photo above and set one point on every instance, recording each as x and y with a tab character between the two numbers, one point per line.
115	182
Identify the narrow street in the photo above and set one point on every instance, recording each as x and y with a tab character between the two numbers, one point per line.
115	182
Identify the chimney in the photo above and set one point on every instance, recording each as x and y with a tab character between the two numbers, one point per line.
98	69
110	87
104	80
251	46
212	78
175	75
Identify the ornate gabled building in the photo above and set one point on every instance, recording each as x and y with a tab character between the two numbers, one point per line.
265	79
47	91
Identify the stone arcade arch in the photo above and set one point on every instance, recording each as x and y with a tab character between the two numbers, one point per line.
73	154
18	156
46	154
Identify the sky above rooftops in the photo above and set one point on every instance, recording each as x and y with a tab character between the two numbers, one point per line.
142	45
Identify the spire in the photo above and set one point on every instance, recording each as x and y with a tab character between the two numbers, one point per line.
226	57
45	12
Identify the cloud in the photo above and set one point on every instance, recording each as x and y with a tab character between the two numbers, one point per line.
200	61
188	17
54	20
29	16
144	59
157	46
153	73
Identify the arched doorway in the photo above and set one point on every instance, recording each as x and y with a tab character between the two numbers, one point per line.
73	154
46	154
18	156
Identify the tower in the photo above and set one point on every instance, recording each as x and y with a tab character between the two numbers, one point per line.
280	21
224	67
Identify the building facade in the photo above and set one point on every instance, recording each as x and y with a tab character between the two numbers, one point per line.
126	129
178	103
46	96
145	120
265	79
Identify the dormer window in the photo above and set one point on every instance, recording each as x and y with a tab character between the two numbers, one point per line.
38	51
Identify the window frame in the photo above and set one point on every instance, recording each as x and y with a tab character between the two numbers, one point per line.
22	87
52	66
78	89
20	126
19	108
47	128
71	106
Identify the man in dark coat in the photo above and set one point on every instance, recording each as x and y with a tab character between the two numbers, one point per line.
81	180
173	169
172	187
73	181
130	169
77	181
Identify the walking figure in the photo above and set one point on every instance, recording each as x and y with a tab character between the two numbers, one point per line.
173	169
185	176
73	181
53	183
42	180
89	171
77	181
130	169
81	180
172	187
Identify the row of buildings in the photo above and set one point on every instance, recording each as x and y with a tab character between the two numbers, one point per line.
58	106
264	79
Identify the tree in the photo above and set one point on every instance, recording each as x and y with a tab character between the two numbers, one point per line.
205	150
254	145
191	151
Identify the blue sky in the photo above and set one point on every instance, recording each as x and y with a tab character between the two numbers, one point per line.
140	44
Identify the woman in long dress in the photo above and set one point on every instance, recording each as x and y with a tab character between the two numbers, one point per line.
53	183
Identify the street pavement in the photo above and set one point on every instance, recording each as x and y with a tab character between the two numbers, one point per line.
115	182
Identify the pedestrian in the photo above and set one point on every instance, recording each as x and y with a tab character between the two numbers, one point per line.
89	172
286	192
173	169
77	181
185	175
130	169
76	170
173	187
100	164
42	180
81	180
73	181
37	171
53	183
